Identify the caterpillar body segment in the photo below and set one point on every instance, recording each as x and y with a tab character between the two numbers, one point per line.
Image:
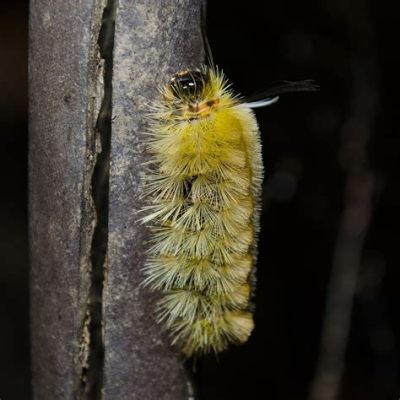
203	211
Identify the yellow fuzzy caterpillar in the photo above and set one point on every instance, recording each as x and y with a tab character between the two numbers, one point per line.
204	189
204	193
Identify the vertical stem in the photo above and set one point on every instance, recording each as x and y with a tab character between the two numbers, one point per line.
65	93
93	331
153	40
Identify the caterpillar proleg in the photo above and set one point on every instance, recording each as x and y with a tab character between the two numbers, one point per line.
203	190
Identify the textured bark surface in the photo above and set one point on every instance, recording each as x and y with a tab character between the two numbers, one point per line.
64	78
152	42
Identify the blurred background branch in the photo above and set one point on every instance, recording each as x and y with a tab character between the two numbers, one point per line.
358	201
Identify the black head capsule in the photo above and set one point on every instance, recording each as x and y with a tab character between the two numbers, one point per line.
188	84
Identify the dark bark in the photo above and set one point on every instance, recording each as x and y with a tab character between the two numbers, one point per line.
151	44
75	217
63	86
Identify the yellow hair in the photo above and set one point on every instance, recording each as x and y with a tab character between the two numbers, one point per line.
204	199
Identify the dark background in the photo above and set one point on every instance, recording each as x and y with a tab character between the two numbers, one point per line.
312	145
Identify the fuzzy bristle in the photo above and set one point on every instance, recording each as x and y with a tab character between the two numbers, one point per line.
203	192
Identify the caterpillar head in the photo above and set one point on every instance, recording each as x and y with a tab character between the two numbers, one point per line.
188	85
193	94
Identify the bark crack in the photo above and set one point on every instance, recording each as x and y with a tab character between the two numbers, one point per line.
92	343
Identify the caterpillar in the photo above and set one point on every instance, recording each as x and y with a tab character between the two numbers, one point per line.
204	189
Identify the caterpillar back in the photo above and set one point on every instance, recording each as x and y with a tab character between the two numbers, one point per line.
204	194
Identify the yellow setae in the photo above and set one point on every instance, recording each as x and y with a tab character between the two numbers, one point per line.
203	189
